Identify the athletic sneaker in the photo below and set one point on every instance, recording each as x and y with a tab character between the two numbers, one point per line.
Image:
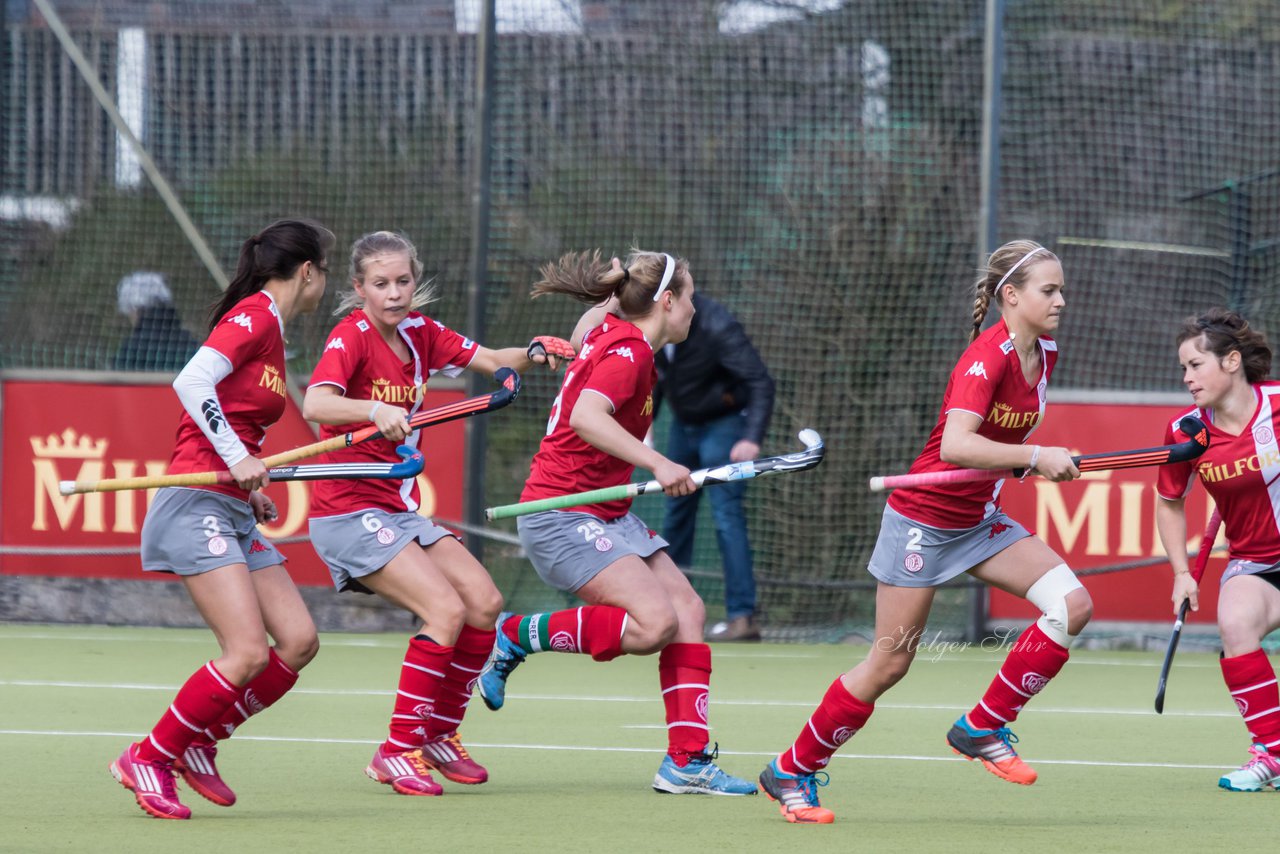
450	758
1260	771
196	765
797	795
993	748
151	783
406	772
701	776
506	656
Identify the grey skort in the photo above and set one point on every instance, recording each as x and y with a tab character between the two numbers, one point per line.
193	531
911	554
568	548
363	542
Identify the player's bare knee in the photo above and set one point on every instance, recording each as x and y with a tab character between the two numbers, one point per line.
1063	602
298	651
444	618
650	633
485	608
241	664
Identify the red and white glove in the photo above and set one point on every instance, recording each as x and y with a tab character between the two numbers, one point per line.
550	349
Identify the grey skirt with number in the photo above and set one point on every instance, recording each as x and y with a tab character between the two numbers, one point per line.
363	542
911	554
193	531
568	549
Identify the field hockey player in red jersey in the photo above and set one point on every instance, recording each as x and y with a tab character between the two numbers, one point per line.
638	602
1225	365
231	391
375	367
993	401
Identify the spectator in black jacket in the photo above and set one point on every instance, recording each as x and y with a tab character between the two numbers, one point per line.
158	341
721	397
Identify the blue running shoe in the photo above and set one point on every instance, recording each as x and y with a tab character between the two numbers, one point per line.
797	795
700	777
506	656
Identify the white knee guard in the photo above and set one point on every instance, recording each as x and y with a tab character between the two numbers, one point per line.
1049	594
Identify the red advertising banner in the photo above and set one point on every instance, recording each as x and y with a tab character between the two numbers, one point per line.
1108	518
84	430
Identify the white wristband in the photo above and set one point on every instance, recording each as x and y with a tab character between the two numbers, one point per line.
1035	458
373	409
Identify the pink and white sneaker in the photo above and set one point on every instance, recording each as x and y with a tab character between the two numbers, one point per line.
447	755
406	772
151	783
196	765
1262	771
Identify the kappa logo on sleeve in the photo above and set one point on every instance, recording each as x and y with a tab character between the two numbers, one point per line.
625	352
977	369
335	344
244	320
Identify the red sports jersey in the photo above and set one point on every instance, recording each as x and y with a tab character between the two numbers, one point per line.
358	361
252	396
1241	474
988	382
616	361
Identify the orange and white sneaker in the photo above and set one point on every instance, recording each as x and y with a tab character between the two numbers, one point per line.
450	758
993	748
151	783
797	795
198	769
405	772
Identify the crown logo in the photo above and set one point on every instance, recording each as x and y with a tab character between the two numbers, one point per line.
68	447
381	381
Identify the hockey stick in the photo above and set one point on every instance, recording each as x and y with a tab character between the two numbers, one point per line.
1197	572
410	465
510	388
814	449
1180	453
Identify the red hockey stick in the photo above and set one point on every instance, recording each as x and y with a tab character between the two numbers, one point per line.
1179	453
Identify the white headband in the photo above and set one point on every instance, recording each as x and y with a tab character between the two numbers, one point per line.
666	275
1021	261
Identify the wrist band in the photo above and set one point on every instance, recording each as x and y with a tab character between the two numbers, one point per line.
373	409
1035	457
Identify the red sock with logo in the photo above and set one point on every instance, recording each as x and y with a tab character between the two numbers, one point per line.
593	629
837	718
261	693
203	699
684	671
424	667
1034	660
1252	682
470	651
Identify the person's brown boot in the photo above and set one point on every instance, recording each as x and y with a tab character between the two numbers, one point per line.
738	629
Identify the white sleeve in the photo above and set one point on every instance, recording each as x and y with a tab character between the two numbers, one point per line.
196	388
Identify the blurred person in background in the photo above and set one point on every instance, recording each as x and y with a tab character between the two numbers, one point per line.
157	340
721	398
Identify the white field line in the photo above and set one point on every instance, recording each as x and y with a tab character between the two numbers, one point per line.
925	656
581	748
589	698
